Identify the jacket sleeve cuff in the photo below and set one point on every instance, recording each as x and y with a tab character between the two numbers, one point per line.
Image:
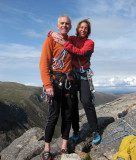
50	33
66	44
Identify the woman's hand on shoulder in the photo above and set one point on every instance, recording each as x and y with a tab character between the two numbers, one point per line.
56	35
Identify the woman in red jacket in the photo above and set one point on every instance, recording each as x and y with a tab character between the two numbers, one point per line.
82	48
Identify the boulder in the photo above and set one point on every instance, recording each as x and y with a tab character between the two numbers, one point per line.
25	147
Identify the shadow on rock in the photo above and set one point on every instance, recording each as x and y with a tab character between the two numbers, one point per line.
85	139
11	117
103	122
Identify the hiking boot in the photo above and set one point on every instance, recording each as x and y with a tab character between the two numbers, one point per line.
75	136
46	155
96	138
64	151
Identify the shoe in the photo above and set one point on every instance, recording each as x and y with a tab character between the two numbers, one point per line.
64	151
96	138
46	155
75	136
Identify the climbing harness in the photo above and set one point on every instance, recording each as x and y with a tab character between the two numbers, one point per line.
59	80
58	63
82	67
62	79
126	128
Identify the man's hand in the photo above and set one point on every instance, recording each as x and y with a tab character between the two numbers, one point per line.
50	92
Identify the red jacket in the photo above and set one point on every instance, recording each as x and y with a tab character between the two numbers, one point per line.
82	48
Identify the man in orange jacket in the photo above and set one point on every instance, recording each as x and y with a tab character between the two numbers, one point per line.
55	68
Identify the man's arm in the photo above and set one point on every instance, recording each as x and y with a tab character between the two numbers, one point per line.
45	62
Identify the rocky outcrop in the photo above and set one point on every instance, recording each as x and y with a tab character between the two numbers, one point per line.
31	144
26	146
123	111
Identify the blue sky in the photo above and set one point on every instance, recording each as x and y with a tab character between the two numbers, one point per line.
24	25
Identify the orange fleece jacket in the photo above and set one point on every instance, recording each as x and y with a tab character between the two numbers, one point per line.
50	50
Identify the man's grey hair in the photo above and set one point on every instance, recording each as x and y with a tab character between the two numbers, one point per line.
64	15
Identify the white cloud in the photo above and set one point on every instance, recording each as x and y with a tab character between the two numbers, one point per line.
30	84
18	50
35	18
107	8
117	81
32	33
116	84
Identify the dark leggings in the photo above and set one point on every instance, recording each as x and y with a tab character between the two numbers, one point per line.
86	100
61	101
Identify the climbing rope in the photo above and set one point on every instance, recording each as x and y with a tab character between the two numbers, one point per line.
126	128
58	62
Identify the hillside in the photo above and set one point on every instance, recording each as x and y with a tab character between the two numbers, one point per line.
102	98
21	108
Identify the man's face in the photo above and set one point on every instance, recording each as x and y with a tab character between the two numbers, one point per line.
64	25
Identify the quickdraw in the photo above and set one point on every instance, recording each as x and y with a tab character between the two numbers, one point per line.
89	77
46	97
67	82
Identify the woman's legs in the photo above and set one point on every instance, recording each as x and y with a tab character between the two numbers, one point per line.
75	114
86	100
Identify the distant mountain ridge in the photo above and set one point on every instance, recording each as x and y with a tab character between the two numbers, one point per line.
22	108
102	98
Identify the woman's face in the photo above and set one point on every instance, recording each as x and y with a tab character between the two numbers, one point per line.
83	30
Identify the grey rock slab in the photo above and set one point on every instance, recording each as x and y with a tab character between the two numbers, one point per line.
29	137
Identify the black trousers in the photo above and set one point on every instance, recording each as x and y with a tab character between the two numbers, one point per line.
86	100
61	101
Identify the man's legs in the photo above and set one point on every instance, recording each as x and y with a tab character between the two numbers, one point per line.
66	113
53	115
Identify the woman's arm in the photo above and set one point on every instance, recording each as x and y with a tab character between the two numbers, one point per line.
87	49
